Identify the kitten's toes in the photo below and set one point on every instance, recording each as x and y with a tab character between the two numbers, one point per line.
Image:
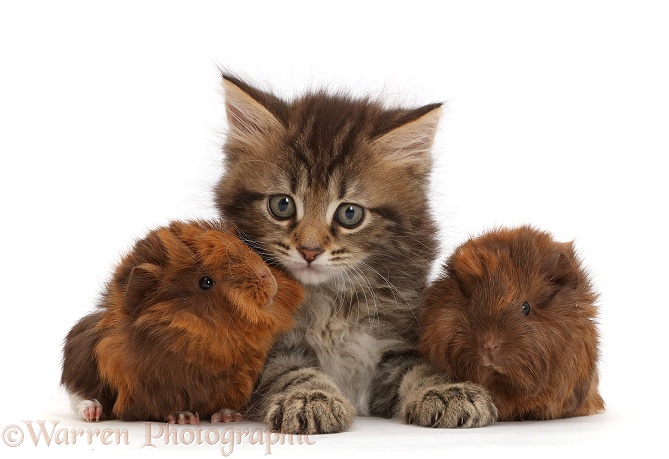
90	410
310	411
183	417
226	415
451	405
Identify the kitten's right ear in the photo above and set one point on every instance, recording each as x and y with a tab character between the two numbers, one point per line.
248	118
143	282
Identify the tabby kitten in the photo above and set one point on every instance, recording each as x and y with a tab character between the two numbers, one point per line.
334	190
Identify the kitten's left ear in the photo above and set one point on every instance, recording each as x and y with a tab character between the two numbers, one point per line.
409	144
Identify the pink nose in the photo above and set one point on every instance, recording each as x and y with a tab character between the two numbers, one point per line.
310	254
264	272
265	276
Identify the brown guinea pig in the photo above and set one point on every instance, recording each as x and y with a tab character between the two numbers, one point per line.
514	311
182	330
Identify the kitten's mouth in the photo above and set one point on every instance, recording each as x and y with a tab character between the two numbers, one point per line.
309	273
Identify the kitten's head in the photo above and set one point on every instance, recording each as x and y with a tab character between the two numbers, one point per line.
328	184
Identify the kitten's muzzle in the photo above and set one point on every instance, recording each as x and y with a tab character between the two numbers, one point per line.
310	254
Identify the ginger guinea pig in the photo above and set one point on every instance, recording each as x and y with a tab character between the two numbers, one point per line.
182	330
514	311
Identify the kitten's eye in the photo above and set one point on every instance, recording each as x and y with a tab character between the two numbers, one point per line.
349	215
526	308
282	206
205	283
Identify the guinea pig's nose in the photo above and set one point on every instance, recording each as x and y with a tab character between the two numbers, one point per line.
265	275
491	346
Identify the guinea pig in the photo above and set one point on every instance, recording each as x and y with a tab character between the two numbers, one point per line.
514	311
182	329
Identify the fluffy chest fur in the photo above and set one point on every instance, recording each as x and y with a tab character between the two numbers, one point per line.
348	334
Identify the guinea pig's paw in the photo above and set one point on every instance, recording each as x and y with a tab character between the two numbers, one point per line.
90	410
451	405
225	415
310	411
183	417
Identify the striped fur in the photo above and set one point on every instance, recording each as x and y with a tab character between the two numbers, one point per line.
355	342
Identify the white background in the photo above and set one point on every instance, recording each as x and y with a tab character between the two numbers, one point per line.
557	114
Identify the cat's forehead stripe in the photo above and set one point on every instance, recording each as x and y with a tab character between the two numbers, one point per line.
342	189
328	134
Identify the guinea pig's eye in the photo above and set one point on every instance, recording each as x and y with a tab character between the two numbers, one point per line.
281	206
205	283
526	308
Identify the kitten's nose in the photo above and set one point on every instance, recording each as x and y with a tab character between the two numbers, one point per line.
310	254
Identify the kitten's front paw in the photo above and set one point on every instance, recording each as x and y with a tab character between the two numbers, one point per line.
310	411
451	405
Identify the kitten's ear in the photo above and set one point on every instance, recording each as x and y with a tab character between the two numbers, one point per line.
409	144
248	117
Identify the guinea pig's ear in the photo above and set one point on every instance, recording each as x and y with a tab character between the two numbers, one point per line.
151	249
466	269
457	279
228	228
143	282
561	268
